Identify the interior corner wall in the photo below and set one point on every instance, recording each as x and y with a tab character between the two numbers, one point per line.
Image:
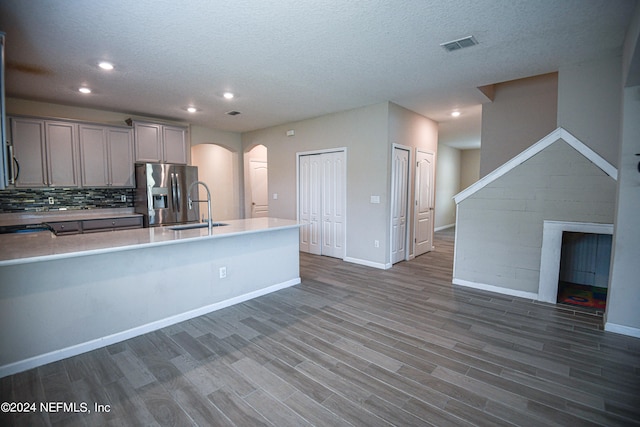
469	167
448	185
522	112
413	130
364	133
589	103
622	313
623	299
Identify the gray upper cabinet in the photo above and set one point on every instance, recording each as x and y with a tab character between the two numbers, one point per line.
106	155
46	152
160	143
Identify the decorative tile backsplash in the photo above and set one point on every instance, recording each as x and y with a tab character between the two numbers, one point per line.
37	200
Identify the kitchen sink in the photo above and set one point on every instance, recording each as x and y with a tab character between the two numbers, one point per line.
198	225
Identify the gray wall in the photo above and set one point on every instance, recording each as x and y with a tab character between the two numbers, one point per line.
589	104
500	226
522	112
447	185
368	134
469	167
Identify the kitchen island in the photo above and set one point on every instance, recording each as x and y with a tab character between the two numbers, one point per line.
64	295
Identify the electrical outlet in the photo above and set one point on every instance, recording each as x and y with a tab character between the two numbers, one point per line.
123	198
223	272
376	243
51	201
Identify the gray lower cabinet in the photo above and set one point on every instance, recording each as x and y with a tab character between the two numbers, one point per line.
109	224
96	225
66	227
46	152
106	156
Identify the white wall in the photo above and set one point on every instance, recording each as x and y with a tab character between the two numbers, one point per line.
522	112
589	104
219	169
447	185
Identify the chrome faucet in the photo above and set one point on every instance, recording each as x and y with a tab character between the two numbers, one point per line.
210	223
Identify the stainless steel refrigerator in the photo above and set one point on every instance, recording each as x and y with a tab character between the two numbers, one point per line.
161	193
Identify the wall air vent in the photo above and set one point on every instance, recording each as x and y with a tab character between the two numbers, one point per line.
233	113
459	44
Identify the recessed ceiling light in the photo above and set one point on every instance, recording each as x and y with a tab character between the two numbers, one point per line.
228	95
192	109
84	90
106	65
455	113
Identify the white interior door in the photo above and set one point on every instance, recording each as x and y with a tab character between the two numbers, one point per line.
399	192
333	196
424	202
322	187
259	188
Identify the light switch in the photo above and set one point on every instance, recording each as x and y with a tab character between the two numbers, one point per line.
375	199
275	196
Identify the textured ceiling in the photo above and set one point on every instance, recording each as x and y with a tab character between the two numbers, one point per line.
288	60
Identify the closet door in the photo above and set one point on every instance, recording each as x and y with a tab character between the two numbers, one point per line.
333	185
322	186
309	185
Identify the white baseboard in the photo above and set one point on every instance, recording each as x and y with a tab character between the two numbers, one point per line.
496	289
444	227
74	350
368	263
621	329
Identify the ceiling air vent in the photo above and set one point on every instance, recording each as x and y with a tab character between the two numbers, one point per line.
233	113
459	44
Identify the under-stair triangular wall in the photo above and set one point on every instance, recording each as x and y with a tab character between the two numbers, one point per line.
499	220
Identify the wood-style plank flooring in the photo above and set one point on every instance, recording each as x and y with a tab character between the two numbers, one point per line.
357	346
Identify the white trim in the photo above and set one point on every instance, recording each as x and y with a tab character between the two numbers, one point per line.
554	136
550	253
368	263
444	227
74	350
496	289
622	329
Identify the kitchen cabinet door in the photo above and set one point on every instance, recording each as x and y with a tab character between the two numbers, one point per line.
120	145
28	139
175	145
93	156
159	143
148	142
61	140
106	156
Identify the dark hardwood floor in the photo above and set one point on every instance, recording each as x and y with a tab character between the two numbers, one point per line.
358	346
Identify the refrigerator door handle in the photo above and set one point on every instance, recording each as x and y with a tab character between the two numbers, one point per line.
174	198
179	198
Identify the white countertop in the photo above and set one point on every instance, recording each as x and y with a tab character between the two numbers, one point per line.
42	246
